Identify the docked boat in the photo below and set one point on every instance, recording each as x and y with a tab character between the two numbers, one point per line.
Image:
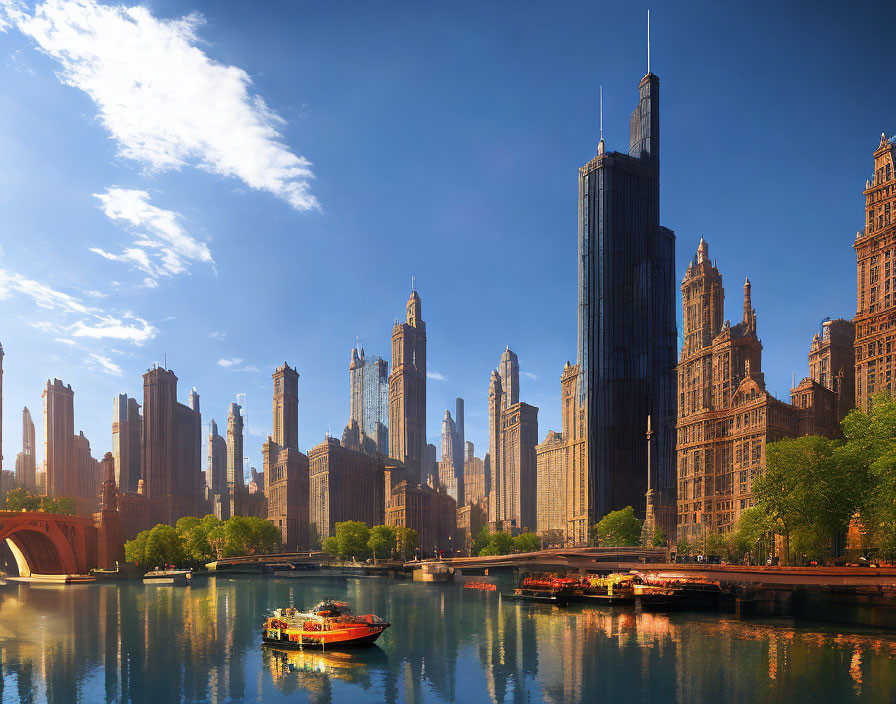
174	578
538	596
330	624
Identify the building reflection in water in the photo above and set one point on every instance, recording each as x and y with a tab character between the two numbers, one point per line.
138	643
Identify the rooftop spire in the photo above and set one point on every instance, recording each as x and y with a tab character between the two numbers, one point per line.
648	41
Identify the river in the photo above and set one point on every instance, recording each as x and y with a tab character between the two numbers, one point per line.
130	642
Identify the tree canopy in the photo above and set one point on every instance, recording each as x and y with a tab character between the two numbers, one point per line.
23	500
527	542
381	541
617	529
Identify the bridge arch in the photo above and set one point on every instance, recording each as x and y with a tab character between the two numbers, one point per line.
44	543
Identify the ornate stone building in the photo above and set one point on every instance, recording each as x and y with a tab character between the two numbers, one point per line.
832	362
513	435
575	435
627	330
26	460
407	390
476	479
430	512
285	468
725	414
127	443
550	461
369	394
172	448
88	477
344	485
875	321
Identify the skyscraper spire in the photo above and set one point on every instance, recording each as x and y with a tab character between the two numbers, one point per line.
648	41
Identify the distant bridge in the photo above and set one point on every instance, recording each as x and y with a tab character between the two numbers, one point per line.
603	559
49	543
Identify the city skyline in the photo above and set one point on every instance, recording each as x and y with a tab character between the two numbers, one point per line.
227	290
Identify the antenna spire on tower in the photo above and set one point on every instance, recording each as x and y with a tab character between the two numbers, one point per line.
601	111
413	283
648	41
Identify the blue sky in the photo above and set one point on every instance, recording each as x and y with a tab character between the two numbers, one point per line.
238	184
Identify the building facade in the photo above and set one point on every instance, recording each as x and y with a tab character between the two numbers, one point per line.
550	471
216	473
726	416
407	390
26	460
127	443
430	512
627	330
236	486
575	434
369	394
875	320
344	485
59	439
172	447
285	468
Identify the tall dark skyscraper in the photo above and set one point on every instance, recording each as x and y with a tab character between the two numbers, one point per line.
627	335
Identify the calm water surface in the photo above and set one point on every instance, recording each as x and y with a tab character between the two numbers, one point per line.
95	643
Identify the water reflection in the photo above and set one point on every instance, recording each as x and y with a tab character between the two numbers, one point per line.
202	644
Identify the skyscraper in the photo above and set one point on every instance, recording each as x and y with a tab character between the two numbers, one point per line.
26	461
447	467
407	390
627	335
172	446
876	280
127	443
59	439
235	483
285	468
369	393
216	473
513	435
459	451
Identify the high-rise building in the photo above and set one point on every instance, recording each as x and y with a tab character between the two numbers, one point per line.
26	460
172	447
285	468
59	439
235	481
448	467
127	443
875	356
626	330
369	392
575	431
216	473
87	490
476	480
344	485
459	451
726	416
407	390
550	461
513	435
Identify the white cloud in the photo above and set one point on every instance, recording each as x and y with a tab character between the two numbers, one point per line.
530	375
66	341
109	327
104	363
217	334
166	249
164	101
233	365
436	376
227	363
43	295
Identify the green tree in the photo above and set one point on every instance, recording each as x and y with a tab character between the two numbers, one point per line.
331	546
381	541
135	550
659	537
683	547
163	545
714	544
811	486
500	543
526	542
752	526
870	447
406	541
194	533
314	537
217	539
352	537
480	540
618	529
22	500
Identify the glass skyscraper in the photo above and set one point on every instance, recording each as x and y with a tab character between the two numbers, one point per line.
627	333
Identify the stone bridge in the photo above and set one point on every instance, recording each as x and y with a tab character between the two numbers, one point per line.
49	543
